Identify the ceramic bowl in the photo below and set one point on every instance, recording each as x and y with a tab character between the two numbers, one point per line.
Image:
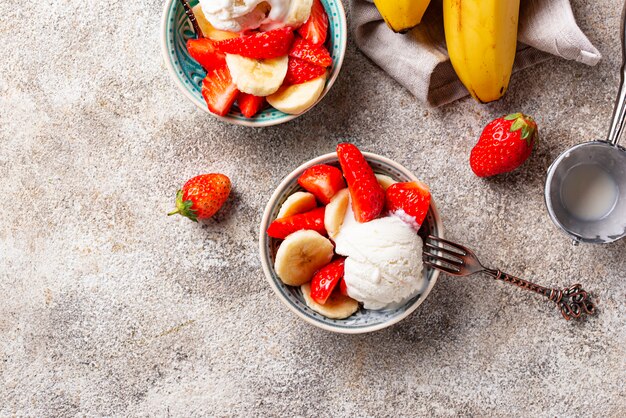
188	74
364	320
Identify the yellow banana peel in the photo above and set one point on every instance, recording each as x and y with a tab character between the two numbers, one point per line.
402	15
481	36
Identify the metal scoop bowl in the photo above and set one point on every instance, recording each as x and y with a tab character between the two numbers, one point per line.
586	185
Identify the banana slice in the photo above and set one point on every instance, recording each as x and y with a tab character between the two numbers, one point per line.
335	212
297	98
385	181
207	29
257	77
299	12
299	202
300	255
337	306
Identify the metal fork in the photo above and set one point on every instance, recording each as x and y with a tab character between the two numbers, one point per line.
457	260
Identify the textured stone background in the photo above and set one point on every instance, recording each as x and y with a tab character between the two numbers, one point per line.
108	307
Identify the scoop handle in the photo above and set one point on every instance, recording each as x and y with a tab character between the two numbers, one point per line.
619	113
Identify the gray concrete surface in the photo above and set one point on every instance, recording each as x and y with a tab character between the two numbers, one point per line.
108	307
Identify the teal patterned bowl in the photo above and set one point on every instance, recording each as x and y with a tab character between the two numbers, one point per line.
188	74
364	320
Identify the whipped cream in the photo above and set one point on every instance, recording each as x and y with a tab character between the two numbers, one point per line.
384	265
242	15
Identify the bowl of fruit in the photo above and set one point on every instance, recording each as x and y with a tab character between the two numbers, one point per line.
341	241
251	62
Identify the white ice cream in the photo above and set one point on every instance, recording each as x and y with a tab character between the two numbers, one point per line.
384	264
242	15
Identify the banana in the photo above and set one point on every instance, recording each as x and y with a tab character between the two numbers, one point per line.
335	212
299	202
402	15
482	37
337	306
257	77
385	181
299	12
300	255
207	29
297	98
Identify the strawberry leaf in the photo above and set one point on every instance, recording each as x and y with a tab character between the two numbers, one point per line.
519	123
183	207
513	116
525	124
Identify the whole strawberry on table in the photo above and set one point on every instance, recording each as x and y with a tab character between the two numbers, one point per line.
504	145
285	67
202	196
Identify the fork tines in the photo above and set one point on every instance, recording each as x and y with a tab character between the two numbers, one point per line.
444	255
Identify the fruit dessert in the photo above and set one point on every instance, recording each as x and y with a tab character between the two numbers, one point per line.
257	52
350	238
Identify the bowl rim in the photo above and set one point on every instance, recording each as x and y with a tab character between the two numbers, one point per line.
267	269
252	123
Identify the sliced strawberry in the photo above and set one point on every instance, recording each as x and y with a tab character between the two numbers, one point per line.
325	280
316	27
314	54
219	91
282	227
261	45
205	52
324	181
250	104
343	288
301	71
409	201
368	197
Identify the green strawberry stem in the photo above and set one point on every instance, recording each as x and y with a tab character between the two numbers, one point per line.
525	123
183	207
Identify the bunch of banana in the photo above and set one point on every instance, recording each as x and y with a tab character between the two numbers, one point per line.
402	15
481	36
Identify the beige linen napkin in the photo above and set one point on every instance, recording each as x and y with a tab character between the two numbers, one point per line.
419	61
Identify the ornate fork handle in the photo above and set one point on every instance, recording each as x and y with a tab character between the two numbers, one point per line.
192	18
573	301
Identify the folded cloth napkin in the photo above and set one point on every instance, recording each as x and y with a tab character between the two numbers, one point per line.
419	61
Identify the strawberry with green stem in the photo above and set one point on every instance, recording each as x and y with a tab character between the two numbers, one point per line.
504	145
202	196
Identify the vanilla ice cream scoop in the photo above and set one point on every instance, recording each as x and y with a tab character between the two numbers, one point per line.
242	15
384	266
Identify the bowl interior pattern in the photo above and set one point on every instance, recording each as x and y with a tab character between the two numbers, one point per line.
363	319
188	74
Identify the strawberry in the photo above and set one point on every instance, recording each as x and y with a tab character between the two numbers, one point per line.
324	181
504	145
250	104
202	196
325	280
205	52
301	71
314	54
368	197
219	91
409	201
316	27
282	227
261	45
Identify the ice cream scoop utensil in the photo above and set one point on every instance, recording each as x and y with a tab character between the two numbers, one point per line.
606	156
457	260
192	18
